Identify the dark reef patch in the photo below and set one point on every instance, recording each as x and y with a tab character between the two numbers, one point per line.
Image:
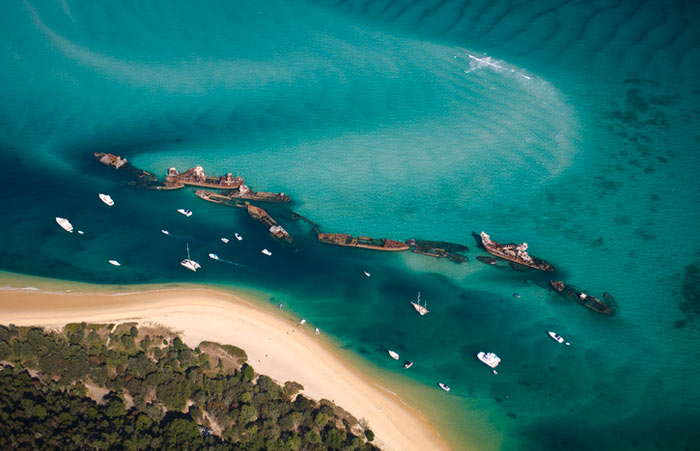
690	289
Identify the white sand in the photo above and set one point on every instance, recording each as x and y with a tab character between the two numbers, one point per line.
275	346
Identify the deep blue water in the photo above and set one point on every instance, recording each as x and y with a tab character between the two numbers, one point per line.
570	125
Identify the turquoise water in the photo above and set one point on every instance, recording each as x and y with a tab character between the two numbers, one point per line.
569	125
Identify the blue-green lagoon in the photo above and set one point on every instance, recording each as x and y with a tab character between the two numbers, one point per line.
572	126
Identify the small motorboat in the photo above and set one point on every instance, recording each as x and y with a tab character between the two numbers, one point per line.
224	240
80	232
266	252
65	224
185	212
317	331
106	198
393	354
517	295
558	338
407	364
213	256
444	386
490	359
238	237
165	232
366	273
115	263
302	322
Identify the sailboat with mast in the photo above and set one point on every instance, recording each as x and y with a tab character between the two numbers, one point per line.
190	264
422	309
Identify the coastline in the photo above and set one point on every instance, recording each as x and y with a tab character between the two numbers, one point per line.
276	346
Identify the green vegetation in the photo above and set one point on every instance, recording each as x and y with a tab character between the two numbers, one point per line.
160	394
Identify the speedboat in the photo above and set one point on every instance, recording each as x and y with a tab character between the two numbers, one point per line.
115	263
393	355
558	338
106	199
190	264
238	237
65	224
165	232
185	212
317	331
408	364
490	359
444	386
422	309
366	273
213	256
224	240
80	232
266	252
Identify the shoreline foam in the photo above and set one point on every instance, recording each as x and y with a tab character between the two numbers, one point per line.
276	346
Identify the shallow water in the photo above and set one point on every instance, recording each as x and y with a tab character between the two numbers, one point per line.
569	126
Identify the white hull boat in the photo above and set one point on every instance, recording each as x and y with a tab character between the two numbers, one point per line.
115	263
393	354
558	338
238	237
224	240
213	256
266	252
65	224
407	365
490	359
317	331
185	212
421	309
190	264
444	386
366	273
165	232
106	198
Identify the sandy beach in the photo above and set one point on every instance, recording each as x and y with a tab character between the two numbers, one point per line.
276	346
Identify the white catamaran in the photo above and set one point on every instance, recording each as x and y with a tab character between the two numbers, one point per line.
422	309
190	264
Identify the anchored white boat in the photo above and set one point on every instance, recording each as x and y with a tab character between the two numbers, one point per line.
393	354
185	212
490	359
80	232
302	322
224	240
213	256
408	364
238	237
165	232
422	309
65	224
266	252
366	273
190	264
444	386
106	198
115	263
558	338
